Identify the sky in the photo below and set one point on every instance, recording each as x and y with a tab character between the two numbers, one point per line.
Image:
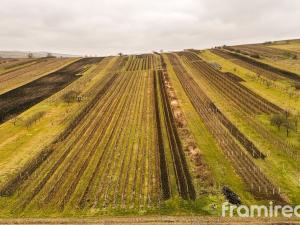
105	27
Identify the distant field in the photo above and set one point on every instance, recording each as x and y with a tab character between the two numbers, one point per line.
285	57
172	133
291	45
18	74
19	99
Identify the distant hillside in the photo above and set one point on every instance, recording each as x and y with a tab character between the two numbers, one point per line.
21	54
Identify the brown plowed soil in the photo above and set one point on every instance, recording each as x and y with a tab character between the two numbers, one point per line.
20	99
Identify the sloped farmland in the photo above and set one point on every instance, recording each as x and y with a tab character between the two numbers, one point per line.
18	100
257	182
16	73
266	70
123	152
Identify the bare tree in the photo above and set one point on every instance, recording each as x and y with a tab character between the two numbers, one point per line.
289	122
30	55
14	119
34	118
268	83
50	55
71	96
277	120
256	56
289	126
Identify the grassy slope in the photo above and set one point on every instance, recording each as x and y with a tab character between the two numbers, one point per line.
290	45
275	95
3	68
278	162
286	63
292	65
221	169
289	64
19	144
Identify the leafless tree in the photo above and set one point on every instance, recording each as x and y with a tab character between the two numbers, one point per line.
71	96
277	120
289	125
14	119
34	118
30	55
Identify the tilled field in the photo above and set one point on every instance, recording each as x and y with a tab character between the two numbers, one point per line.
141	62
24	71
18	100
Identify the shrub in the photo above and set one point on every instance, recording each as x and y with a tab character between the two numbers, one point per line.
256	56
277	120
49	55
70	97
289	124
30	55
297	85
216	66
34	118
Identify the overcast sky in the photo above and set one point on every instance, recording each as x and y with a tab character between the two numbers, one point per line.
105	27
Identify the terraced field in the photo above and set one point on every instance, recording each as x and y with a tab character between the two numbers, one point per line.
143	132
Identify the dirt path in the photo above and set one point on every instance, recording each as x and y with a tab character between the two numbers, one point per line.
165	220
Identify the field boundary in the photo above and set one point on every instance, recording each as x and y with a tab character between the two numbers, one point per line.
158	220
